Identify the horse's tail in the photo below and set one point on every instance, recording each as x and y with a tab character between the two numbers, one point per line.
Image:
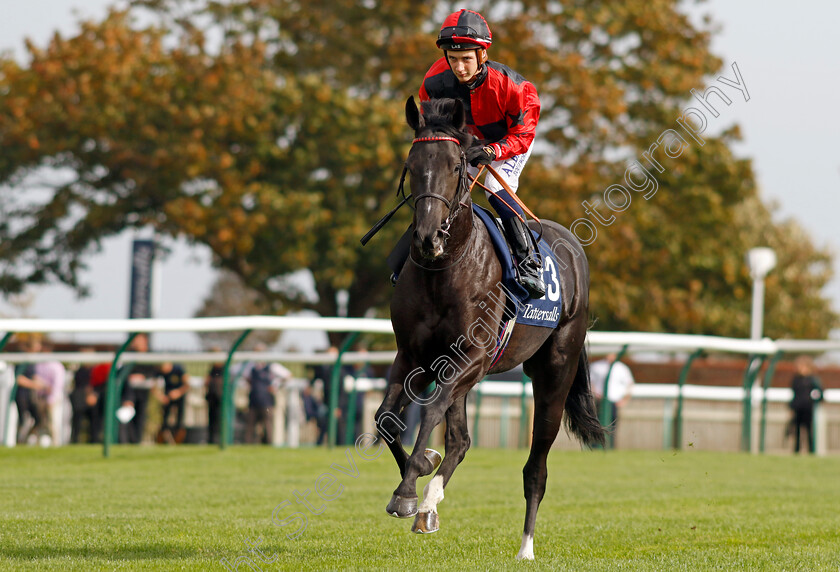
581	416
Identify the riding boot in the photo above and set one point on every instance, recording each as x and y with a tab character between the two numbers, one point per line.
530	273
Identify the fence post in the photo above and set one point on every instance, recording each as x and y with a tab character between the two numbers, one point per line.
678	419
523	413
226	438
749	378
768	380
477	413
335	377
111	398
352	413
12	392
122	375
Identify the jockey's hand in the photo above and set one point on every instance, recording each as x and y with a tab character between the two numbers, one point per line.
480	155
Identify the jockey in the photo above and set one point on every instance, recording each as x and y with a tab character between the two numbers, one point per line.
502	113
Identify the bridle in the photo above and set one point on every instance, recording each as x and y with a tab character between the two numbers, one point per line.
456	204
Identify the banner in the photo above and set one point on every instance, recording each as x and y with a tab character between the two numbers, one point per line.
142	258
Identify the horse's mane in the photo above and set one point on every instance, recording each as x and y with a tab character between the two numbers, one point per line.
438	116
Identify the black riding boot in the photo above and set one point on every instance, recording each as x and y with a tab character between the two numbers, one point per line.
530	274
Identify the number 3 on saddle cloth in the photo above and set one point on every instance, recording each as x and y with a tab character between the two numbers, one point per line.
543	312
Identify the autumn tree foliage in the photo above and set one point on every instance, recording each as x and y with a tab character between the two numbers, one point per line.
272	132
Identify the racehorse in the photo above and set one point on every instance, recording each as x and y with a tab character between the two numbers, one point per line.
446	306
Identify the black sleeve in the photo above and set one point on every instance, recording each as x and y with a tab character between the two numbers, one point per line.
25	369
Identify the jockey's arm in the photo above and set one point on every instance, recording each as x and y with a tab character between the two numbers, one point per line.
522	111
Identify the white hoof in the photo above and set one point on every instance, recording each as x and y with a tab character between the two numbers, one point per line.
526	551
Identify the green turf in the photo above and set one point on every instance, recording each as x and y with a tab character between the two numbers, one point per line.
187	508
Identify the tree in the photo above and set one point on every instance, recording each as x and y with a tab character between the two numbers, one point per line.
230	297
279	142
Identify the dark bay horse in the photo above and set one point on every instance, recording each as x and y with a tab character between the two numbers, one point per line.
446	311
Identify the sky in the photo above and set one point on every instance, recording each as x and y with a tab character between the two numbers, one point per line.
788	56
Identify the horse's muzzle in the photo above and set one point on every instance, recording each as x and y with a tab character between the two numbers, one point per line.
430	245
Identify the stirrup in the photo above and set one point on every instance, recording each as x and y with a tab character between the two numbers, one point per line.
534	286
530	278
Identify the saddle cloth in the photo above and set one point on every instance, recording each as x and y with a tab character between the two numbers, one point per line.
545	311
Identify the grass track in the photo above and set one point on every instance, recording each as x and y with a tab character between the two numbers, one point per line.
186	508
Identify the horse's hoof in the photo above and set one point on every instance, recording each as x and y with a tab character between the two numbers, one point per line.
401	507
426	523
434	458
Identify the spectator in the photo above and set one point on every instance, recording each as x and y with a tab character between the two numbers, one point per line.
96	399
807	392
54	375
141	378
618	389
264	379
81	402
214	384
30	400
323	372
359	370
175	388
314	409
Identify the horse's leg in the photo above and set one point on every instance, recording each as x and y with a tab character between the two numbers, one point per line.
387	418
404	500
457	443
389	424
552	371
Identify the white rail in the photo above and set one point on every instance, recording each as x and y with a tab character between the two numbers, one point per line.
636	341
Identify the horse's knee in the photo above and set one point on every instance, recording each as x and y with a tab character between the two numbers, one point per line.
420	464
465	446
389	424
534	480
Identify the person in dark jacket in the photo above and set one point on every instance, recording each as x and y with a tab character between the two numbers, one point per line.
807	392
84	403
173	399
29	403
264	378
214	384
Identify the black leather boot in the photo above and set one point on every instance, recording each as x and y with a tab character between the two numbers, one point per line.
530	273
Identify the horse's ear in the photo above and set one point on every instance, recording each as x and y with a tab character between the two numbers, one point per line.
459	115
412	114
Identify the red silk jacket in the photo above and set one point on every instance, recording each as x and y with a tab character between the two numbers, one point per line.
502	106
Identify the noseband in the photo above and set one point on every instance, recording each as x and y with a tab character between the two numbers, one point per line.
462	183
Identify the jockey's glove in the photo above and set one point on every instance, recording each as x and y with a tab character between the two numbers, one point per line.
480	155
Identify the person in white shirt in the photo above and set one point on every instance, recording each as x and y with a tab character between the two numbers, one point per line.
55	375
618	389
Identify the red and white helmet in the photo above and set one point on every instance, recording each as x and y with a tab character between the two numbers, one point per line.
464	30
